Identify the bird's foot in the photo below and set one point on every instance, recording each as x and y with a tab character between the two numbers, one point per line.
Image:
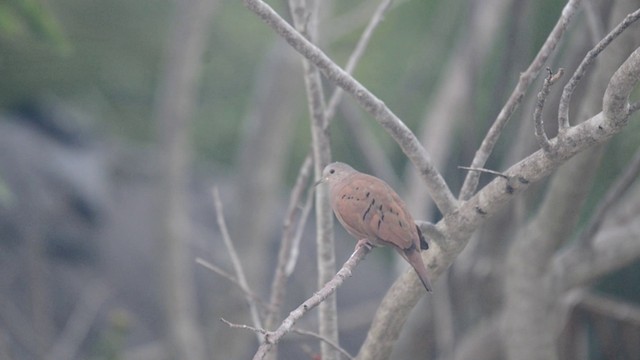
365	243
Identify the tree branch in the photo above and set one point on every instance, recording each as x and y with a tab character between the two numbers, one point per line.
273	337
569	88
285	253
305	21
235	260
458	227
408	142
357	53
614	193
540	134
526	78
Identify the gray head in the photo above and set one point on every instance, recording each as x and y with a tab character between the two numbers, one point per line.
336	172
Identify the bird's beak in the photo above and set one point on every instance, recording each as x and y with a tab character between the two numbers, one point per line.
319	182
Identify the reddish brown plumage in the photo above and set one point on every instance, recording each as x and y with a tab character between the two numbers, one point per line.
370	209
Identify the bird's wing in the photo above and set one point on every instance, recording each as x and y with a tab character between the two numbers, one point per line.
391	222
369	208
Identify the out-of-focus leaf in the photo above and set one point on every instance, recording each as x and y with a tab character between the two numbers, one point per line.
34	17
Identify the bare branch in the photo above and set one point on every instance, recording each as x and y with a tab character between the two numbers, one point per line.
541	135
615	104
612	248
607	306
79	323
458	227
233	279
285	254
245	327
492	172
408	142
569	88
273	337
323	339
235	260
526	78
294	330
305	21
295	246
614	193
357	53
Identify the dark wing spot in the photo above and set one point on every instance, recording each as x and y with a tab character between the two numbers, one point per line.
367	195
400	223
344	196
368	209
379	223
380	207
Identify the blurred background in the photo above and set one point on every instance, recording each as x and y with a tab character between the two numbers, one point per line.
117	118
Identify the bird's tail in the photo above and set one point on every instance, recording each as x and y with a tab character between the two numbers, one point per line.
413	257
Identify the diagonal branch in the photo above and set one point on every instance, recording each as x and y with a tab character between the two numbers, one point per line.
287	243
357	53
273	337
458	227
526	78
569	88
438	188
609	199
235	260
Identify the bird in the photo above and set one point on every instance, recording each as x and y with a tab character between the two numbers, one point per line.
372	212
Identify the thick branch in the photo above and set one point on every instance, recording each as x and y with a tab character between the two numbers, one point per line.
615	104
458	227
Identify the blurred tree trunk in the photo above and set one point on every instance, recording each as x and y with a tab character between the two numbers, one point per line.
175	102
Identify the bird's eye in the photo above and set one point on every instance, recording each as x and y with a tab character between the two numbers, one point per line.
331	171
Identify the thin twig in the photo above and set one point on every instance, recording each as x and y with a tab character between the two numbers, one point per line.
322	338
526	78
218	270
614	193
540	134
438	188
606	305
245	327
80	322
294	330
569	88
280	276
235	260
297	237
357	53
492	172
273	337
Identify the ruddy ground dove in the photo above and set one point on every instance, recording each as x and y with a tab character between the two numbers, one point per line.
372	212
